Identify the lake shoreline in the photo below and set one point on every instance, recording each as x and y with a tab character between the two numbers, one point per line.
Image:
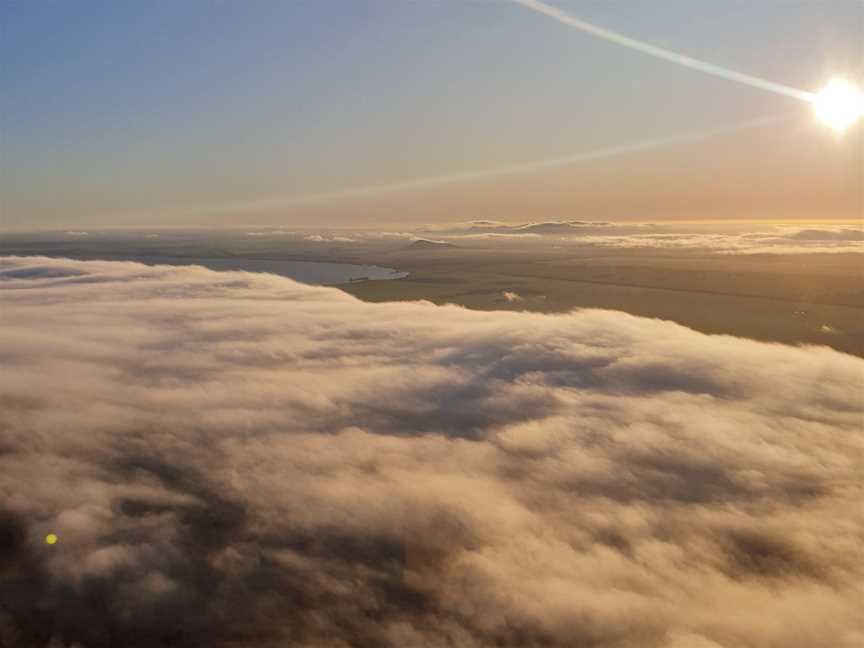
312	272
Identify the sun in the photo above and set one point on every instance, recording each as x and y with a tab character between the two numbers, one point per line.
839	104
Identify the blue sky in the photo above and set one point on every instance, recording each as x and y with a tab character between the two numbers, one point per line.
128	113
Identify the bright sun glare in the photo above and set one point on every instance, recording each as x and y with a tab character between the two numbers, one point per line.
839	105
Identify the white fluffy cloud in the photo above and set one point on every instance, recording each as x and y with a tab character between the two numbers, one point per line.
235	459
780	240
763	240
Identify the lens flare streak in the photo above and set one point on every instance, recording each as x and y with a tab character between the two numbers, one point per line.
495	172
659	52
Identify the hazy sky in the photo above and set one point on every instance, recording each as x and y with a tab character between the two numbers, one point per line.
170	113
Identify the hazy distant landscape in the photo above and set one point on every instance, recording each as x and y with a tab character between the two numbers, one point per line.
756	281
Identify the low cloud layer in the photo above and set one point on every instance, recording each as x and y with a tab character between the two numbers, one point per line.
753	239
233	459
744	238
781	240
